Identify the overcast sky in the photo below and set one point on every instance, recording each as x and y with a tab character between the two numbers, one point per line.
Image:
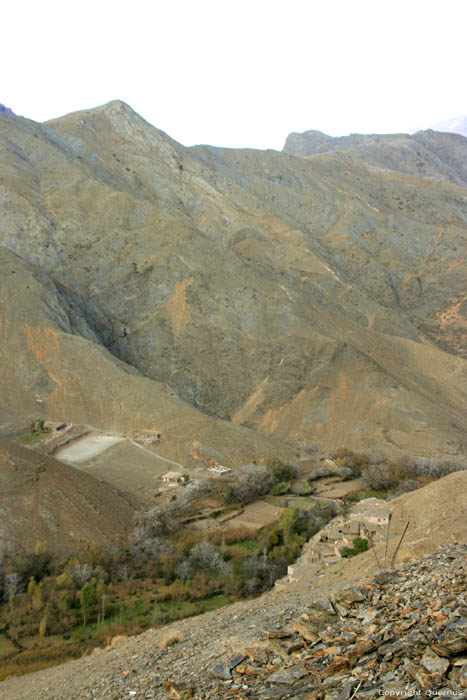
242	73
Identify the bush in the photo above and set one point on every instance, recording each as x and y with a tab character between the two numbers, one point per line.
250	483
378	476
354	463
282	471
406	485
280	488
432	468
360	544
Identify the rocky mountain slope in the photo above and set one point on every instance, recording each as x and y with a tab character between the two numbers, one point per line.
310	300
44	499
315	640
54	365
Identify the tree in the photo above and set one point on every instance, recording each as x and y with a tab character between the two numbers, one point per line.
378	476
82	573
205	556
183	569
87	597
282	471
251	482
12	585
100	599
43	625
35	591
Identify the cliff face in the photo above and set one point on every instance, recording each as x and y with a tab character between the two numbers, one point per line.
315	300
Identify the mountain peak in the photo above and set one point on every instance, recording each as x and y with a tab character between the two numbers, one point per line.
5	110
118	106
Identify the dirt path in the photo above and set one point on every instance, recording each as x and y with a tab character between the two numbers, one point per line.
330	489
155	454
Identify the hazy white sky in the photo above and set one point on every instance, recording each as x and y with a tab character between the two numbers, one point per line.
242	73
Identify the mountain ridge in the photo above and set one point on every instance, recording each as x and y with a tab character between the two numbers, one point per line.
425	153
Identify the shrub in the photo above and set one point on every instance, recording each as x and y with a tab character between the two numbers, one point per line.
432	468
282	471
360	544
250	483
406	485
280	488
378	476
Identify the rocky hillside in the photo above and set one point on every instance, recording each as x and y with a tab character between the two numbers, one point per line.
233	299
323	639
54	365
44	499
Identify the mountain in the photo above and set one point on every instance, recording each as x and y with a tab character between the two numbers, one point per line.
457	125
242	302
426	153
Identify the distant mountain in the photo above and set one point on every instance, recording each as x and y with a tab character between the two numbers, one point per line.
5	110
426	153
243	303
455	126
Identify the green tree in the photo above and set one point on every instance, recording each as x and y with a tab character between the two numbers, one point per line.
88	598
35	591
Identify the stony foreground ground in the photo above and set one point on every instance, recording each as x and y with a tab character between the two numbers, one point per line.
403	633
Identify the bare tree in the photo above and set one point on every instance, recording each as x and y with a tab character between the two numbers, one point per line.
82	574
205	555
12	585
252	481
183	569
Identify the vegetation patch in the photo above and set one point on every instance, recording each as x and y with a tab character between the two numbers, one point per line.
249	544
360	544
164	573
32	438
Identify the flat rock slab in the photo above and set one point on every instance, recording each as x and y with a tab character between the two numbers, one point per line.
289	675
222	671
434	663
88	447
